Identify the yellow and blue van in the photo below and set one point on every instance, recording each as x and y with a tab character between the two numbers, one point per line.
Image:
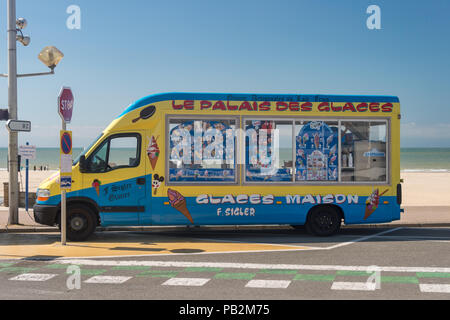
236	159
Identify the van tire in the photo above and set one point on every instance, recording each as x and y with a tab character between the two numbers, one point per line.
81	222
323	221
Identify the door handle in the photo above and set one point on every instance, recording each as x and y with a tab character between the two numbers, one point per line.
140	181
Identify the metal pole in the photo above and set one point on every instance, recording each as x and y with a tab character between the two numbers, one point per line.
63	206
12	105
26	181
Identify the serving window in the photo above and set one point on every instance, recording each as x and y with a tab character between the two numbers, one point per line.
364	151
268	150
202	150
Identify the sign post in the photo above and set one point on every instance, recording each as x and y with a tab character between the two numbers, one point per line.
18	126
65	107
28	153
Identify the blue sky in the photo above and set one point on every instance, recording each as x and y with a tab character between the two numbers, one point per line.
129	49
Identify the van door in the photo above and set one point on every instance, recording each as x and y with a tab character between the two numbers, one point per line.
115	179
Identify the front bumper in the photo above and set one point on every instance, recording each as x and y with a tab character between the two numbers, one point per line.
45	214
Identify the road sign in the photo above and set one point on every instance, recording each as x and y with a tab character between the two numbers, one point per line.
27	152
18	125
65	104
65	153
65	182
66	142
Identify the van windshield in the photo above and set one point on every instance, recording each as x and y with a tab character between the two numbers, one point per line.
87	149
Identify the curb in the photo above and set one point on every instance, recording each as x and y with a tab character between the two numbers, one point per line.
24	229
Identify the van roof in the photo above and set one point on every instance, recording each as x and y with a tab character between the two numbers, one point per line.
255	97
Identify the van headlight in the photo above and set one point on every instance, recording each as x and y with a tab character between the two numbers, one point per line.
43	194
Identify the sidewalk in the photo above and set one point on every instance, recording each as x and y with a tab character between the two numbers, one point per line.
414	216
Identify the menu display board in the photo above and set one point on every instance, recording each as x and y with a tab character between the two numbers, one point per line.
316	153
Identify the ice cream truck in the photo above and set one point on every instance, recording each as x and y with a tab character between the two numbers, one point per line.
236	159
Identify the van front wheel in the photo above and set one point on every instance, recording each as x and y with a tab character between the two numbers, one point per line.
323	221
81	222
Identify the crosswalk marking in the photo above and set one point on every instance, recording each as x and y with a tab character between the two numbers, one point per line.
272	284
193	282
107	279
190	264
259	283
33	277
435	288
358	286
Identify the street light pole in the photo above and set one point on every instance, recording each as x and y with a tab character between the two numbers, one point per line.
13	162
50	56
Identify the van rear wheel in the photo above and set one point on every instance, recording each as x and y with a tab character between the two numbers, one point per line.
323	221
81	222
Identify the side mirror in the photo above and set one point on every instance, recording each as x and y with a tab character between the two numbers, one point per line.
83	164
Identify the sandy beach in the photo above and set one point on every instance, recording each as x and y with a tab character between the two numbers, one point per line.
419	188
35	178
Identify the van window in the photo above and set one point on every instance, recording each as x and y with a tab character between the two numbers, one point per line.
364	150
268	151
202	150
119	151
317	150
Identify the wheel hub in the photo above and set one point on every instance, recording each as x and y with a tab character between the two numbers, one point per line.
77	223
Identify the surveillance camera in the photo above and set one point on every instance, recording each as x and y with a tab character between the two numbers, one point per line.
21	23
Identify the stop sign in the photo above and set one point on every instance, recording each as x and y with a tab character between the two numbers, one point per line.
65	104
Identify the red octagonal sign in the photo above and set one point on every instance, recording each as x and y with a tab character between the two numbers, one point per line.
65	104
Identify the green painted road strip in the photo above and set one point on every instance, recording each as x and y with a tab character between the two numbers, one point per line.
315	277
158	274
17	269
92	272
273	271
433	275
131	268
399	279
6	264
235	276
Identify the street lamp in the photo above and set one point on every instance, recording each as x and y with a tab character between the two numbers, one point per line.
51	57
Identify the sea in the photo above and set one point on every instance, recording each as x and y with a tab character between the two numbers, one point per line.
411	159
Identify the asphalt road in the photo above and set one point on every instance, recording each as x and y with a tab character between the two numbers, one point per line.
398	263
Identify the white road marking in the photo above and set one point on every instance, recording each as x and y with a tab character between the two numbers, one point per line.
33	277
107	279
362	239
188	264
435	288
358	286
192	282
272	284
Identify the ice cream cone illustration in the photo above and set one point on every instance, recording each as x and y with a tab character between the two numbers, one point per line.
329	140
177	201
316	140
305	138
153	152
333	150
372	202
96	184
